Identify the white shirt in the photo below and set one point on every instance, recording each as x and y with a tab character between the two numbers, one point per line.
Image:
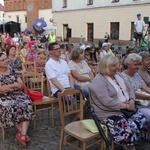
102	54
83	47
139	24
58	70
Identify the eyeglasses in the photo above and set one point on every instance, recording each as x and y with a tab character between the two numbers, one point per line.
57	49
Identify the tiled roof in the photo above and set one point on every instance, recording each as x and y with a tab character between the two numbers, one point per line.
1	7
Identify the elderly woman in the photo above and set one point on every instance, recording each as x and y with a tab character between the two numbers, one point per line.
15	106
144	70
142	91
80	70
110	94
15	62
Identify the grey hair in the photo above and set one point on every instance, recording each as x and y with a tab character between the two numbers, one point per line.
105	63
133	57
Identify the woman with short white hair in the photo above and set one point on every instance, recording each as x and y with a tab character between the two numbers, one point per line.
142	91
110	94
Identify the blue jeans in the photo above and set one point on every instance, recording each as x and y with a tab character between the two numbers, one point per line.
85	91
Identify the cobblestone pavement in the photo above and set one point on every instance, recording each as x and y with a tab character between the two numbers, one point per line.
46	137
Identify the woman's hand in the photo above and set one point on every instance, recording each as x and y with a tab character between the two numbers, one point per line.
131	105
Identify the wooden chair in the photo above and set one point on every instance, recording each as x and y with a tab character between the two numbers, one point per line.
74	129
29	64
34	81
3	133
104	126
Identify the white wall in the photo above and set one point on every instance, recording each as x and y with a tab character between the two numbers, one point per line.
101	17
11	16
82	4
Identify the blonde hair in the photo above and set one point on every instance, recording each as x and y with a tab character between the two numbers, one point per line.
105	63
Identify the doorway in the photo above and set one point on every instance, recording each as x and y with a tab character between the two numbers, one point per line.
65	27
90	32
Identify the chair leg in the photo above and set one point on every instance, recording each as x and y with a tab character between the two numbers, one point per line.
3	133
61	139
35	118
102	145
84	145
112	145
52	114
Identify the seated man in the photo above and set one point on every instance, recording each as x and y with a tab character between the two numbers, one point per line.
57	71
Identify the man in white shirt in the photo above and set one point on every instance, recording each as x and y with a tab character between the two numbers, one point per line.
57	71
85	45
139	25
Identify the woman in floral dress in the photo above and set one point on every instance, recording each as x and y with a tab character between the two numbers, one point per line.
15	62
16	108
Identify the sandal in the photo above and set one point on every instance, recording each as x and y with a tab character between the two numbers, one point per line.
27	138
21	138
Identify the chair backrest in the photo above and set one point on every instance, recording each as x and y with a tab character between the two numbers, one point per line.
90	98
42	63
70	104
30	66
33	80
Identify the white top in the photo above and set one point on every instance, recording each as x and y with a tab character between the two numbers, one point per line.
15	39
58	70
83	47
103	53
82	68
139	24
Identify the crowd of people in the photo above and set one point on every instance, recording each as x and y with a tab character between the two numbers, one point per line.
70	67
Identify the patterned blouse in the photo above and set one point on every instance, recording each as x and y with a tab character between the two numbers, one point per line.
135	81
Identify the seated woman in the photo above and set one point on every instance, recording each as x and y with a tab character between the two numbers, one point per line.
87	57
24	51
144	70
110	94
15	107
15	62
80	70
142	91
63	52
33	56
94	55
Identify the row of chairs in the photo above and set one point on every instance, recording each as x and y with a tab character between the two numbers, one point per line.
75	129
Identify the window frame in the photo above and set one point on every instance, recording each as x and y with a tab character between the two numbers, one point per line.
115	1
64	4
89	2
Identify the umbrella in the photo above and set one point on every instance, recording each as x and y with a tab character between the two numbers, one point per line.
26	31
38	25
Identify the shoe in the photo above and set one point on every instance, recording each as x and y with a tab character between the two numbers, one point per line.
27	139
21	138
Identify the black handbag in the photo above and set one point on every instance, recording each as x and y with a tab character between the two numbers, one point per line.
129	113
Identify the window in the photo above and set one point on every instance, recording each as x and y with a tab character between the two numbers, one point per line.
64	3
89	2
17	18
114	27
25	18
114	1
90	32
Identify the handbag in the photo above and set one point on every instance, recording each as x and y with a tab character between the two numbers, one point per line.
129	113
35	96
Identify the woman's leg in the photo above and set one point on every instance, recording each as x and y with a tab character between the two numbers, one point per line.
24	127
19	126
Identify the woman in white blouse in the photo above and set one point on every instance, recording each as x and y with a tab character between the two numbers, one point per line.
80	70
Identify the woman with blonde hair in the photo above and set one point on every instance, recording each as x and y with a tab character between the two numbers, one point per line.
110	94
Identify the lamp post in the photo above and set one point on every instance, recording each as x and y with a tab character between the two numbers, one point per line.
3	23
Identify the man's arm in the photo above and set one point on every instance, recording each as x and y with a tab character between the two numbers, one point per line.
57	84
71	80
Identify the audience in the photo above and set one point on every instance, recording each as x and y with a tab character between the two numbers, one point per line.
104	50
134	80
110	94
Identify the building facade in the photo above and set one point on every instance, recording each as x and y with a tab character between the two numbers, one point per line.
26	12
92	18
